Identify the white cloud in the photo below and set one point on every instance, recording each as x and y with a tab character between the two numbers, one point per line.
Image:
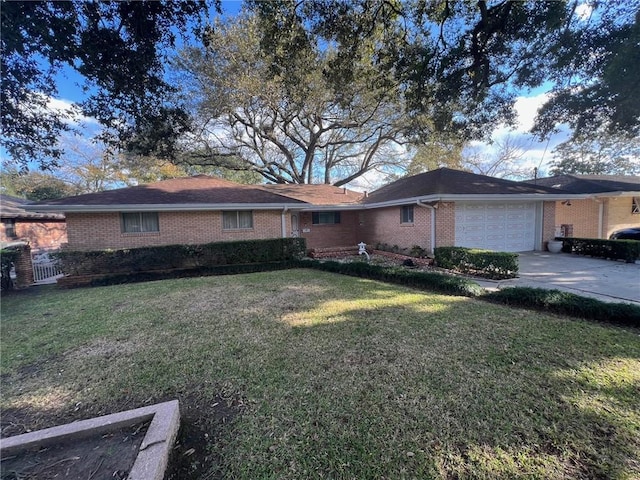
527	109
71	111
538	153
583	11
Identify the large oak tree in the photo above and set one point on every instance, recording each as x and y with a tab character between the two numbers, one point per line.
281	112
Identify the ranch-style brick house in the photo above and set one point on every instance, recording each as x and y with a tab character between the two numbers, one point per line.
442	207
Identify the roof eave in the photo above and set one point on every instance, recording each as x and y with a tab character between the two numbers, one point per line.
174	207
190	207
630	193
478	197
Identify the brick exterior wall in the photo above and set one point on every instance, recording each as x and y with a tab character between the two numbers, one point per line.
617	214
97	231
582	214
24	268
446	224
383	225
548	221
346	233
94	231
42	235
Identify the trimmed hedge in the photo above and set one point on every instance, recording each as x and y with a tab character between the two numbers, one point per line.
412	278
627	250
483	263
150	276
550	301
180	257
566	303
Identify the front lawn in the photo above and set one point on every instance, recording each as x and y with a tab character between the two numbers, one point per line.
305	374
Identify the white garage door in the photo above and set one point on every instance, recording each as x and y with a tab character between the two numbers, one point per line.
504	227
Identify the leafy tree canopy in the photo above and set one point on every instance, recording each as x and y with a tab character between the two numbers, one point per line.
595	70
430	67
36	186
598	155
462	63
120	50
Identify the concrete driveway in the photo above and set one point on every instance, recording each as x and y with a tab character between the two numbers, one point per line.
606	280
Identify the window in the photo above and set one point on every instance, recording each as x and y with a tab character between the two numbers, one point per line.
236	220
325	218
140	222
406	214
10	227
635	205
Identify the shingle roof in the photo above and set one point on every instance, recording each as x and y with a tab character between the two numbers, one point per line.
203	192
318	194
13	207
446	181
590	183
200	189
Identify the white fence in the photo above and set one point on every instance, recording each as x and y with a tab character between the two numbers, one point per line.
45	269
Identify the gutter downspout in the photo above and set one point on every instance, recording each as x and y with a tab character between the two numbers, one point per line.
433	223
600	217
284	222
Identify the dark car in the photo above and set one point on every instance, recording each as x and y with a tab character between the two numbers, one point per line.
626	234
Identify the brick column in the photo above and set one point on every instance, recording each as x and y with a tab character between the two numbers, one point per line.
24	268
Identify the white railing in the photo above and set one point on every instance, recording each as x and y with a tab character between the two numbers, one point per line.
45	270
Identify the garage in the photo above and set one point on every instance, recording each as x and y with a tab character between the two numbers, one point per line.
505	227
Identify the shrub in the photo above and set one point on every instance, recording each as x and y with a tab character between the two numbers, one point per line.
167	257
483	263
627	250
401	276
418	251
7	258
567	303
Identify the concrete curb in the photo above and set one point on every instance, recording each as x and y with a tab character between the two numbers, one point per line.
153	456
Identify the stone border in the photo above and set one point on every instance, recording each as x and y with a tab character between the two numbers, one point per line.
153	456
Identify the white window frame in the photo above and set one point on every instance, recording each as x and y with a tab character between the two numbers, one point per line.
140	222
231	220
406	215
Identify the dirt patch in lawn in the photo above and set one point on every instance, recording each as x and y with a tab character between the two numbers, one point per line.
103	348
99	457
202	425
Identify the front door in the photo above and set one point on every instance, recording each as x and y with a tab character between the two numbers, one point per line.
295	232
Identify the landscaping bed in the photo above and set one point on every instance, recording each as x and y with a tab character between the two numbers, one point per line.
103	456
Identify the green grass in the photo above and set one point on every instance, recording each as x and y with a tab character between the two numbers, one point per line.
334	376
